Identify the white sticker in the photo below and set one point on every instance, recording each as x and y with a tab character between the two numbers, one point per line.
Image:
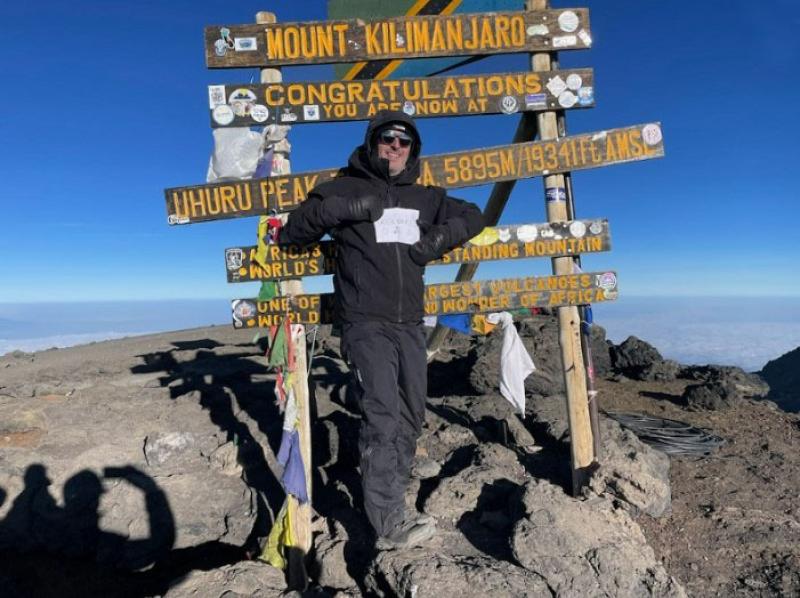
547	232
175	219
565	41
596	228
537	30
259	113
574	81
397	225
556	85
241	101
567	99
568	21
651	134
577	229
400	41
409	108
216	96
527	232
311	112
607	280
503	234
508	105
222	115
585	37
245	44
288	116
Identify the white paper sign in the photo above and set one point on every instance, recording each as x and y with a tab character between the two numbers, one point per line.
397	225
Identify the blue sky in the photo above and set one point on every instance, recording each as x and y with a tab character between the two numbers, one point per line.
104	104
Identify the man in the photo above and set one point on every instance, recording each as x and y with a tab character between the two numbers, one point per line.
387	227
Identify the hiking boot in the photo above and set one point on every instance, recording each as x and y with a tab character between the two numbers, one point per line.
412	531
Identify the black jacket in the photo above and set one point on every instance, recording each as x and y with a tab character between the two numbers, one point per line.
379	281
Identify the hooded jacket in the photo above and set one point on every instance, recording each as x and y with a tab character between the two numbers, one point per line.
379	281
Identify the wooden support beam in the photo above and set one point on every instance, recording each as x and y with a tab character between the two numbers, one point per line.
581	443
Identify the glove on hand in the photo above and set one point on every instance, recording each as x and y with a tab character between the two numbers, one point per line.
362	207
432	245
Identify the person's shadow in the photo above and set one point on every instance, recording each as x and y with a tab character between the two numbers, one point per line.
37	531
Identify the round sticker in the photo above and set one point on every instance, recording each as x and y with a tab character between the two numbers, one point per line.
568	21
577	229
409	108
567	99
527	232
222	115
651	134
574	81
259	113
595	228
607	281
508	104
241	101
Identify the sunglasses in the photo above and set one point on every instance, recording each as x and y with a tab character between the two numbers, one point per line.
389	136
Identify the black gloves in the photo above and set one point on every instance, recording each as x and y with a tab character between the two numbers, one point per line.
338	209
432	245
437	239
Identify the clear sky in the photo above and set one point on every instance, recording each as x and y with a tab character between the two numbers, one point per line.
104	104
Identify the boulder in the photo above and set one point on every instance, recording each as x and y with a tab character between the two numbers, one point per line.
711	396
742	383
248	579
421	572
493	474
783	376
631	471
329	565
639	360
539	334
586	548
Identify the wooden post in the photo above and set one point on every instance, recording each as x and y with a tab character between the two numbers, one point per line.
300	514
568	318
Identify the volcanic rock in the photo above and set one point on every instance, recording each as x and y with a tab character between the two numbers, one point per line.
539	335
639	360
783	376
251	579
422	572
586	548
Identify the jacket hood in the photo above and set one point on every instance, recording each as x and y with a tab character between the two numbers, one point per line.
364	160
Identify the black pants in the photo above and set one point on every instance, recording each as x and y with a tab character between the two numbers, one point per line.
389	363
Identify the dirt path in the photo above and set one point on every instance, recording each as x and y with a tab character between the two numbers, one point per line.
735	522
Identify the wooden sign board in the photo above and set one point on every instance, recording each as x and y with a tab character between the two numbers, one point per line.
494	243
354	40
236	199
418	67
323	101
445	298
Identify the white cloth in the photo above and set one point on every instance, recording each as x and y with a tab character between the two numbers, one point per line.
515	363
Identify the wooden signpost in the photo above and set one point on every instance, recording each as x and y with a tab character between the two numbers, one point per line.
217	201
322	101
355	40
243	264
376	47
444	298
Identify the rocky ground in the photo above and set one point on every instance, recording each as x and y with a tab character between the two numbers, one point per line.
146	467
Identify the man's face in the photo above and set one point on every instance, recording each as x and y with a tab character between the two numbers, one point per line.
394	146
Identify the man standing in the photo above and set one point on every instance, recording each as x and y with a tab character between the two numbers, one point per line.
386	227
